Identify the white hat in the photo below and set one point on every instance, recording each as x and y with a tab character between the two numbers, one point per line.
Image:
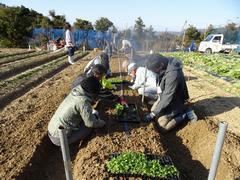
131	66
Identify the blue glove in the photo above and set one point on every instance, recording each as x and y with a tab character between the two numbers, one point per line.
149	117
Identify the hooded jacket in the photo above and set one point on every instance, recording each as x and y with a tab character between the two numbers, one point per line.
74	110
97	60
174	90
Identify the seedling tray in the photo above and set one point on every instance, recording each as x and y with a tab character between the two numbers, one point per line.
163	160
123	82
129	115
115	80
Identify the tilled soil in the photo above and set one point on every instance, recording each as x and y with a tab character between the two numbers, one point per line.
27	153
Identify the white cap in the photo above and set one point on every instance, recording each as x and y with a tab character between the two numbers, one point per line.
131	66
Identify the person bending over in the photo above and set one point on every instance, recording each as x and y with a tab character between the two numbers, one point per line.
170	109
75	114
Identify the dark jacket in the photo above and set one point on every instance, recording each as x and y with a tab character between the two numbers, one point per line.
103	94
174	91
78	80
73	111
97	60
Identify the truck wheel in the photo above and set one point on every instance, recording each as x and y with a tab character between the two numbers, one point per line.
208	51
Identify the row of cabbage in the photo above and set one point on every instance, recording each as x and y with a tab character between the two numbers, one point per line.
223	65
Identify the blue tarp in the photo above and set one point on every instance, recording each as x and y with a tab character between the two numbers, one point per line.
94	38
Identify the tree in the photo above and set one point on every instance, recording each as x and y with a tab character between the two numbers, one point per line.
15	26
103	24
231	34
58	21
139	30
46	23
231	26
191	34
149	37
209	30
127	33
86	26
83	24
36	18
114	29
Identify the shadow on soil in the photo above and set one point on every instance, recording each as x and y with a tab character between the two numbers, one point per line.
47	163
190	78
117	74
181	156
216	105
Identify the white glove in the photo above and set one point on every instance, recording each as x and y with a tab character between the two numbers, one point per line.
132	87
159	90
96	113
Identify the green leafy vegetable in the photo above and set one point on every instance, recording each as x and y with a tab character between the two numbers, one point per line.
138	164
115	80
119	109
221	64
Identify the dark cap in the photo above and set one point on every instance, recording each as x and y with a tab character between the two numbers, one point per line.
104	56
91	85
98	69
155	61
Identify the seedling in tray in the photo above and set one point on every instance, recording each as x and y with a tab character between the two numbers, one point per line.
127	113
119	109
116	80
134	164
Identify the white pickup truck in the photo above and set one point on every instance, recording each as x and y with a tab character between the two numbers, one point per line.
214	43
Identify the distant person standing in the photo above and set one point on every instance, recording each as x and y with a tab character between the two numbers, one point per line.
70	45
126	46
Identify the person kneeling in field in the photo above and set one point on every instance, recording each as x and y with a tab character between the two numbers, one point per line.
138	77
75	114
99	72
170	109
102	59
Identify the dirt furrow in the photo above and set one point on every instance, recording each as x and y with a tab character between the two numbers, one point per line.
24	121
26	152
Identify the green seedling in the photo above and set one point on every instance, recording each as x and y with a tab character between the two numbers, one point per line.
137	164
115	80
119	109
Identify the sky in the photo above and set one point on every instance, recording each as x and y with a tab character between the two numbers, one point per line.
163	15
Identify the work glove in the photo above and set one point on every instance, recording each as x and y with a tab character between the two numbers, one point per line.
95	113
133	87
149	117
100	123
123	102
159	91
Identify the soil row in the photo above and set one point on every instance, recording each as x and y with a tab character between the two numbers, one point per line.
7	54
10	69
19	57
21	83
23	124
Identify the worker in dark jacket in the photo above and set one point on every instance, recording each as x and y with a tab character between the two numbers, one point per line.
170	109
98	71
75	114
102	59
